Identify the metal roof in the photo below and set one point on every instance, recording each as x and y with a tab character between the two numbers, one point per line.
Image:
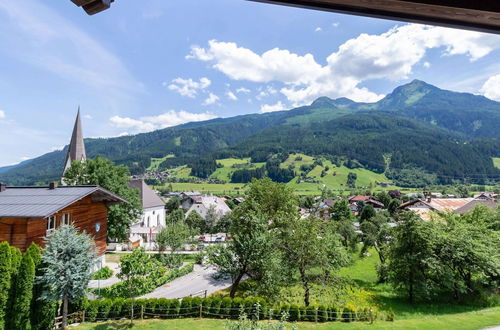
148	196
41	202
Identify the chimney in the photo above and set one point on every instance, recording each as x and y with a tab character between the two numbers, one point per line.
53	185
3	186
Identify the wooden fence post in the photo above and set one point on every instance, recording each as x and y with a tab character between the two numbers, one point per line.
142	312
83	316
201	310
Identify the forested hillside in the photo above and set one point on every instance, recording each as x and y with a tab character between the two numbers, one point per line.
418	128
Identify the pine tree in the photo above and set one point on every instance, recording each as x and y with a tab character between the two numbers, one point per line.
5	263
21	308
68	257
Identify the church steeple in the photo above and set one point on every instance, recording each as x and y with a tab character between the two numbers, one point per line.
76	150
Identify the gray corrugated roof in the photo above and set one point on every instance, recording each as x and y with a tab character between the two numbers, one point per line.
41	202
148	196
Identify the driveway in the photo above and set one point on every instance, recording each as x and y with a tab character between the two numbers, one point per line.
198	280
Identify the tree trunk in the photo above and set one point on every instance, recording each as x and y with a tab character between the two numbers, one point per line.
305	284
65	311
234	287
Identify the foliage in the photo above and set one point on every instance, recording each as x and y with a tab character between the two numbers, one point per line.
195	221
173	236
5	270
103	274
367	213
308	243
173	204
43	312
351	179
68	259
115	178
343	222
15	262
175	216
21	309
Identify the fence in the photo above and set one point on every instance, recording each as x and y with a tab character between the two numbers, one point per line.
217	308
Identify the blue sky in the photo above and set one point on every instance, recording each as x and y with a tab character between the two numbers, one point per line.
145	65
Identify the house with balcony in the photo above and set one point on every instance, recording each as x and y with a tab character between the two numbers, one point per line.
31	214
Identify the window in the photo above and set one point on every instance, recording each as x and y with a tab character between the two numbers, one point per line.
51	224
66	219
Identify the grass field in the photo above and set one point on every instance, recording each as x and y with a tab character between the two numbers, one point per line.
155	162
335	178
496	162
224	173
469	320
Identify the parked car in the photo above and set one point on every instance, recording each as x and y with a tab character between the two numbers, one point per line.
202	238
219	239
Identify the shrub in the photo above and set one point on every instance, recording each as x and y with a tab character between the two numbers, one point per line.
348	315
23	288
103	274
198	257
185	308
150	307
225	306
284	309
333	314
92	310
215	307
322	314
294	313
195	306
311	313
236	306
104	308
116	308
174	308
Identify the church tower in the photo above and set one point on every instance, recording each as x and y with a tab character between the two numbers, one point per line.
76	150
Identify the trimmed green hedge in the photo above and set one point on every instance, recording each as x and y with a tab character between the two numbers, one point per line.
215	307
120	289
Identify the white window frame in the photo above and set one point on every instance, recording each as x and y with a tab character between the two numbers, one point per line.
66	219
51	224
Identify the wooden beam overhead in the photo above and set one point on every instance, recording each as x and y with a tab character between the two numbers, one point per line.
477	15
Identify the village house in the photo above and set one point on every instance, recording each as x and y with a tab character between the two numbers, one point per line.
426	207
357	202
202	203
31	214
152	219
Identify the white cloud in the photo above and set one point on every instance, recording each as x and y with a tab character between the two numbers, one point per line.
491	88
230	95
335	24
2	114
88	117
426	65
243	90
272	107
211	99
151	123
390	55
188	87
318	29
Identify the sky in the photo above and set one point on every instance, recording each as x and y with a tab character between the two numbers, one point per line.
146	65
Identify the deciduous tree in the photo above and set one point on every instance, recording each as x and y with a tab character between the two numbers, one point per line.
115	178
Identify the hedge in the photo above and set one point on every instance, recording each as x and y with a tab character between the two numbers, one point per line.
215	307
120	289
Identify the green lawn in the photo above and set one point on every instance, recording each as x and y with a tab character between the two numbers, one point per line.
496	162
471	320
224	173
155	162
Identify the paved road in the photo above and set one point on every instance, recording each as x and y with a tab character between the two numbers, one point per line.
200	279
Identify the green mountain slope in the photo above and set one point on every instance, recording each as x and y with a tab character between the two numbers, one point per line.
454	135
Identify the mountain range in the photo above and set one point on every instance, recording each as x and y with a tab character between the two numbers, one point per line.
416	127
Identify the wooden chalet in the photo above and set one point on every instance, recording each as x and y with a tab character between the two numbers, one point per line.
30	214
